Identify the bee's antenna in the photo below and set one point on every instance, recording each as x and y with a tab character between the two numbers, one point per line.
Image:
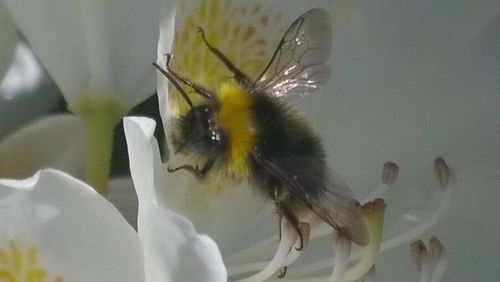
175	83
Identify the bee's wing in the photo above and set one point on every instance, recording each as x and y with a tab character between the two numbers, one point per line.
298	66
330	200
336	204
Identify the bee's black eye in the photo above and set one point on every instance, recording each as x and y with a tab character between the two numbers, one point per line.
200	131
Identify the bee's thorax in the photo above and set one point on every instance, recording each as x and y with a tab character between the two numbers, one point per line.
235	117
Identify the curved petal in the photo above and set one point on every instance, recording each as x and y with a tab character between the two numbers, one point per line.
173	251
8	40
55	225
167	24
104	47
55	141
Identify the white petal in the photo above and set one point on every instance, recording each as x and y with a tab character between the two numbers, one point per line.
56	141
79	235
8	40
106	47
167	23
173	250
121	194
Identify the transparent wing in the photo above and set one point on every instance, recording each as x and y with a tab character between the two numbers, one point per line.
298	66
330	200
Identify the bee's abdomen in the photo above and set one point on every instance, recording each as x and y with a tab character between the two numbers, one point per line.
285	140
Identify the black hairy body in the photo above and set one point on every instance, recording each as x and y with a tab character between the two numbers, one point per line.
246	130
284	137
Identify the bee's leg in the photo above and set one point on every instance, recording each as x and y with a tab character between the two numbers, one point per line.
175	84
193	169
196	87
294	221
284	269
238	74
200	173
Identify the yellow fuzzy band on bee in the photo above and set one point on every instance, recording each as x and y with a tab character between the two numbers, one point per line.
235	117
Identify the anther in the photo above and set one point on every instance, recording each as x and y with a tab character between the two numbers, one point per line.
417	251
442	173
282	272
390	173
435	248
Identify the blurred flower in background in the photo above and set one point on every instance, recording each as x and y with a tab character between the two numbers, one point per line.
99	54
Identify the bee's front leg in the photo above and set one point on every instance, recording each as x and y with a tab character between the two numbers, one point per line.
199	173
193	169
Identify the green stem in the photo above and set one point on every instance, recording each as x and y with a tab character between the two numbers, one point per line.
100	114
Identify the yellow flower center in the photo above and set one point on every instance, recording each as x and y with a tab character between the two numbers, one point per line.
241	33
19	263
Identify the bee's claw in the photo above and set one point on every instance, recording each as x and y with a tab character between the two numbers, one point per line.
169	169
202	32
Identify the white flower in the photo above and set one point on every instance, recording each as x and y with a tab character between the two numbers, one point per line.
32	147
401	90
175	243
56	228
101	48
99	54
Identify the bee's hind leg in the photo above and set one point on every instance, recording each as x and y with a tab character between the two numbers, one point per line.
294	221
238	74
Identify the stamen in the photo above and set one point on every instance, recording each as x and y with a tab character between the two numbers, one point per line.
288	240
446	182
390	174
436	249
442	173
369	277
342	251
416	253
294	253
253	250
439	259
422	259
373	216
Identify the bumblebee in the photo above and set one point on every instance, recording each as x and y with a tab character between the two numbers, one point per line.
246	131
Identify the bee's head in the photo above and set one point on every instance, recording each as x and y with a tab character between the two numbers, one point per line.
198	132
